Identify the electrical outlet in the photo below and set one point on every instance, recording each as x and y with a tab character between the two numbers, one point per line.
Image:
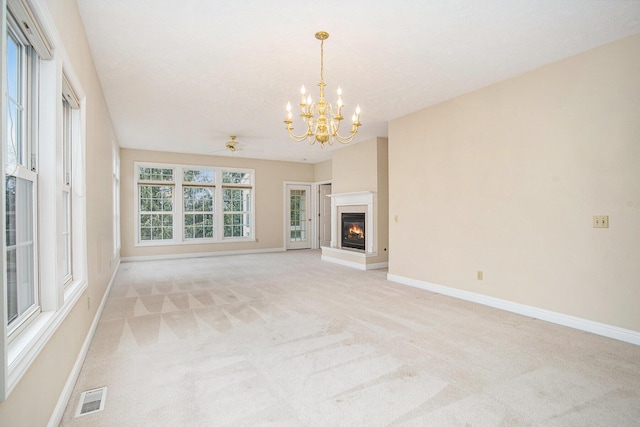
395	219
601	221
479	275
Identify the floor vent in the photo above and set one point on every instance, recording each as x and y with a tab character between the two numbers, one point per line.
91	401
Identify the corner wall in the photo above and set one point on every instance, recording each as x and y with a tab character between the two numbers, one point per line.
506	180
322	171
364	167
269	199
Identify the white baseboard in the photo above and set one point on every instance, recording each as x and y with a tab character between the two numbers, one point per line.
63	400
609	331
356	265
200	254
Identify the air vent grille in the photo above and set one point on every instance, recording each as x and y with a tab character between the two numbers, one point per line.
91	401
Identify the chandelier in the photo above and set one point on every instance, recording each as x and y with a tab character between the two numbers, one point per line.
322	120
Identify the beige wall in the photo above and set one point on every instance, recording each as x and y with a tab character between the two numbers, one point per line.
383	197
506	180
33	400
364	167
322	171
269	199
354	167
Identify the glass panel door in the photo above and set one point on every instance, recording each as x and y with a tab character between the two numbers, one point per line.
299	217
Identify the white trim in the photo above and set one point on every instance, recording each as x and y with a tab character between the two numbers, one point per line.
3	135
287	206
609	331
360	198
200	254
37	37
316	216
357	265
65	395
28	345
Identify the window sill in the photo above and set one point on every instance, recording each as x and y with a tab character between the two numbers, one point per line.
195	242
24	349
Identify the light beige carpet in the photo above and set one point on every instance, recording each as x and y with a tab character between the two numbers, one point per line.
288	340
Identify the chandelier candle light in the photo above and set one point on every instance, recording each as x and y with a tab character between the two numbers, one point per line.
322	123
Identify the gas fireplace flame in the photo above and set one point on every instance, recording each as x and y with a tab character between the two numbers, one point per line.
356	232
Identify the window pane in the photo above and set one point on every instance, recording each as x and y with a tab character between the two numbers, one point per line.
156	174
198	225
237	199
236	178
19	256
66	193
13	67
195	175
10	219
14	142
156	233
12	285
66	234
156	207
237	225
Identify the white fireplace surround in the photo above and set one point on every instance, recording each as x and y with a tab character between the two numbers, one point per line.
363	199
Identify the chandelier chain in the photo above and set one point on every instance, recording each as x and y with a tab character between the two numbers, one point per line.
322	60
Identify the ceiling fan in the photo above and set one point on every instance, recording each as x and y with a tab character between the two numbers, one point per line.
232	145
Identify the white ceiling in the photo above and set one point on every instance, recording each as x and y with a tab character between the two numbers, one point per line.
184	75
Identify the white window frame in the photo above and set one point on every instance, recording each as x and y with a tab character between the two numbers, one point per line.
178	208
213	212
244	212
65	232
20	347
25	169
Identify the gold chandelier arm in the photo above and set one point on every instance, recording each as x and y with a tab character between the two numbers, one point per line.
323	125
346	139
297	138
302	137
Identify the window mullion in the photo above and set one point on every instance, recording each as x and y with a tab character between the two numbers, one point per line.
178	214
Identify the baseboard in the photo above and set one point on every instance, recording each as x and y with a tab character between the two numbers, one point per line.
200	254
609	331
356	265
63	400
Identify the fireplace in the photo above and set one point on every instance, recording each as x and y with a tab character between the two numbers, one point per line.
353	230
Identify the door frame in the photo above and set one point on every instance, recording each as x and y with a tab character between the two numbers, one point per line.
318	205
314	209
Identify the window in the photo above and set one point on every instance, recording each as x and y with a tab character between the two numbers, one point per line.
198	192
237	204
21	179
44	207
69	126
156	204
66	189
178	204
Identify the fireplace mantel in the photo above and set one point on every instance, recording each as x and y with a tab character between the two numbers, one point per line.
365	199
